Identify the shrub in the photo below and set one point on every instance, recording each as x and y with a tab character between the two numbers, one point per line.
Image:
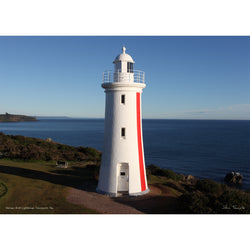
235	201
91	152
155	170
28	148
208	186
196	203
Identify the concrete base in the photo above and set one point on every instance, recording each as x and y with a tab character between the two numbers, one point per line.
105	193
117	194
140	193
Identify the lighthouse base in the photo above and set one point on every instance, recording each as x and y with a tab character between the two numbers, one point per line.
105	193
140	193
118	194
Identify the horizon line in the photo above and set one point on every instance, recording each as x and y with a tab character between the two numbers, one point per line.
146	118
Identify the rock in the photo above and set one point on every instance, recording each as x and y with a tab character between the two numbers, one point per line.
190	179
233	178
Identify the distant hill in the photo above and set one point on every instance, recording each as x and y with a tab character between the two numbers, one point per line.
53	117
16	118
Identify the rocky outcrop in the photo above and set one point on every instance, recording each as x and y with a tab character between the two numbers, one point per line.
190	179
233	178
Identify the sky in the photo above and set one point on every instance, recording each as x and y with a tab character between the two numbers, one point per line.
187	77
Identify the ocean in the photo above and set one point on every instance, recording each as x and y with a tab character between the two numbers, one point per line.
203	148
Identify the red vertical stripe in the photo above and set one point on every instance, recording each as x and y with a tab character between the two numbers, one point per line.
139	136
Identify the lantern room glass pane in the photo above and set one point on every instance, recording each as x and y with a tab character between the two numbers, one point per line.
130	67
118	66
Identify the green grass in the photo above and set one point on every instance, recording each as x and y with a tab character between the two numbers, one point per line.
40	187
155	179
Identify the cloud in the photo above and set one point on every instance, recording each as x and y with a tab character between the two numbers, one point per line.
238	111
240	107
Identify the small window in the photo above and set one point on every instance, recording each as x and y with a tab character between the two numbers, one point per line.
123	99
123	132
130	67
123	173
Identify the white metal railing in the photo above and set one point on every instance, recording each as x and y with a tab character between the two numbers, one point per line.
137	76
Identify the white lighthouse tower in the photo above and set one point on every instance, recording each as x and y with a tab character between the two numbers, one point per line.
123	166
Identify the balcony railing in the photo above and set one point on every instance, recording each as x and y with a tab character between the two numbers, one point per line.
137	76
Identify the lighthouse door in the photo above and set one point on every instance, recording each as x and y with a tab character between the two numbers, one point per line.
123	177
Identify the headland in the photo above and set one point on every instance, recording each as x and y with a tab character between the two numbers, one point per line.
16	118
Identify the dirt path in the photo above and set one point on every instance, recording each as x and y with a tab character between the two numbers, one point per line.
100	203
104	204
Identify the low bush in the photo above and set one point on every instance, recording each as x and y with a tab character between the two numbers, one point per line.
228	201
235	201
208	186
155	170
196	203
28	148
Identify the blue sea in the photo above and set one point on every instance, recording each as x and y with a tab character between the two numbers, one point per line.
203	148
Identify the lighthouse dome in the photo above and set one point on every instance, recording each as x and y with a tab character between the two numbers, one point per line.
124	57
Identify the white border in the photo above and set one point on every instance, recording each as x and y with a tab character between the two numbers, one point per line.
132	17
75	17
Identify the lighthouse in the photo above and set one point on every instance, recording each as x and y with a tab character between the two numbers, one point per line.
123	164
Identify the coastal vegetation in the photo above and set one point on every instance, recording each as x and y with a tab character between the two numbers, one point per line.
200	196
208	196
28	148
16	118
30	182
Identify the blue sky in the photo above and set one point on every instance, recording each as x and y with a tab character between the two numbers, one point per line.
187	77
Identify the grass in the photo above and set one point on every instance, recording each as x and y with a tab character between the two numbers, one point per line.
155	179
38	187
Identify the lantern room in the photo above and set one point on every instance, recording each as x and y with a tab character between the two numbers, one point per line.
124	63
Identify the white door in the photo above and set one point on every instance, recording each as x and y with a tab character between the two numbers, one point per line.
123	177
